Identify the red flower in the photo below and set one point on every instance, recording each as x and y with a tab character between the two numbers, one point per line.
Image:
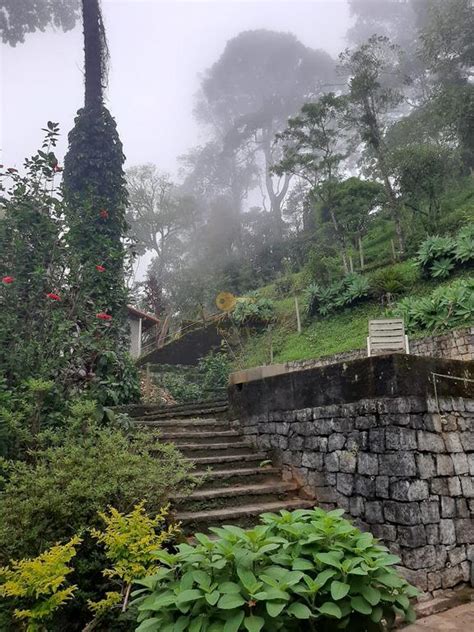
104	316
53	297
100	268
8	279
104	214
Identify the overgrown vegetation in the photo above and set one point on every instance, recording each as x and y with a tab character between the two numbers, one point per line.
303	570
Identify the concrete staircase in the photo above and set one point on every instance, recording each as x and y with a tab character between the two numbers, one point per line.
237	485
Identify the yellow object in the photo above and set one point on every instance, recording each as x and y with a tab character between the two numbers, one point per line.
225	301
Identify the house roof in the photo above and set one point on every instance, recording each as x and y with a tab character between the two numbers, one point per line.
134	311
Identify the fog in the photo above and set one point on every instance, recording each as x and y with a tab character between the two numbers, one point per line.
158	52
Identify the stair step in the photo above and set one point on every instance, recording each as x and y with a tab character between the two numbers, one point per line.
193	424
219	462
208	499
196	450
168	413
241	515
207	438
229	477
201	405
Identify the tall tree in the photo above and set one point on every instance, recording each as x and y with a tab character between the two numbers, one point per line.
159	218
313	147
374	94
94	180
19	17
261	79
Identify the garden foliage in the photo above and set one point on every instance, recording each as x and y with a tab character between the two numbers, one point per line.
306	570
37	586
438	256
446	307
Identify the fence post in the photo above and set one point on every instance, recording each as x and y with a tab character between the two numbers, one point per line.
298	318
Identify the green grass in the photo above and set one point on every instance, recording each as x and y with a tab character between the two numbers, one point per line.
342	331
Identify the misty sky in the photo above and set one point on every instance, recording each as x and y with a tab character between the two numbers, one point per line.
158	49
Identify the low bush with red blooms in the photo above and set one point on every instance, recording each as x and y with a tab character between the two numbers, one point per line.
104	214
103	316
53	296
7	280
100	268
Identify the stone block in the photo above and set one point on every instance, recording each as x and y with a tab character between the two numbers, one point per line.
416	578
356	506
461	463
377	440
454	486
426	465
467	484
402	513
448	507
409	490
374	512
312	460
444	465
343	424
365	422
447	533
457	555
434	580
467	441
429	511
462	510
399	464
384	532
364	486
452	442
464	530
345	483
455	575
367	463
306	414
347	461
439	486
382	487
430	442
324	494
421	558
295	442
400	439
470	460
432	533
336	441
331	461
412	537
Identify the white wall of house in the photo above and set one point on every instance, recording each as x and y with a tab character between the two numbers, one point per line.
135	336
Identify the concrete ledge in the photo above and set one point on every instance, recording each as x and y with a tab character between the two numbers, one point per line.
257	391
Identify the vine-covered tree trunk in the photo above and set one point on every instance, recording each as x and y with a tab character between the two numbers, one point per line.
95	193
95	48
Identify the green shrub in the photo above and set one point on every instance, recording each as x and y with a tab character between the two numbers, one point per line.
65	486
253	312
393	280
433	249
445	308
464	249
308	570
438	256
322	300
215	368
180	387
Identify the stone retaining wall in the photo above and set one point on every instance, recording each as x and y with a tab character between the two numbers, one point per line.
400	461
457	344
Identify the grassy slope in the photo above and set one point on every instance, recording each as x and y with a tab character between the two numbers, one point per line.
342	331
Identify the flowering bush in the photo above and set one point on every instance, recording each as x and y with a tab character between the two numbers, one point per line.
51	326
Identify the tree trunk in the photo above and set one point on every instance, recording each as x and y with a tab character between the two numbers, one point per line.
341	240
276	198
94	43
361	253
